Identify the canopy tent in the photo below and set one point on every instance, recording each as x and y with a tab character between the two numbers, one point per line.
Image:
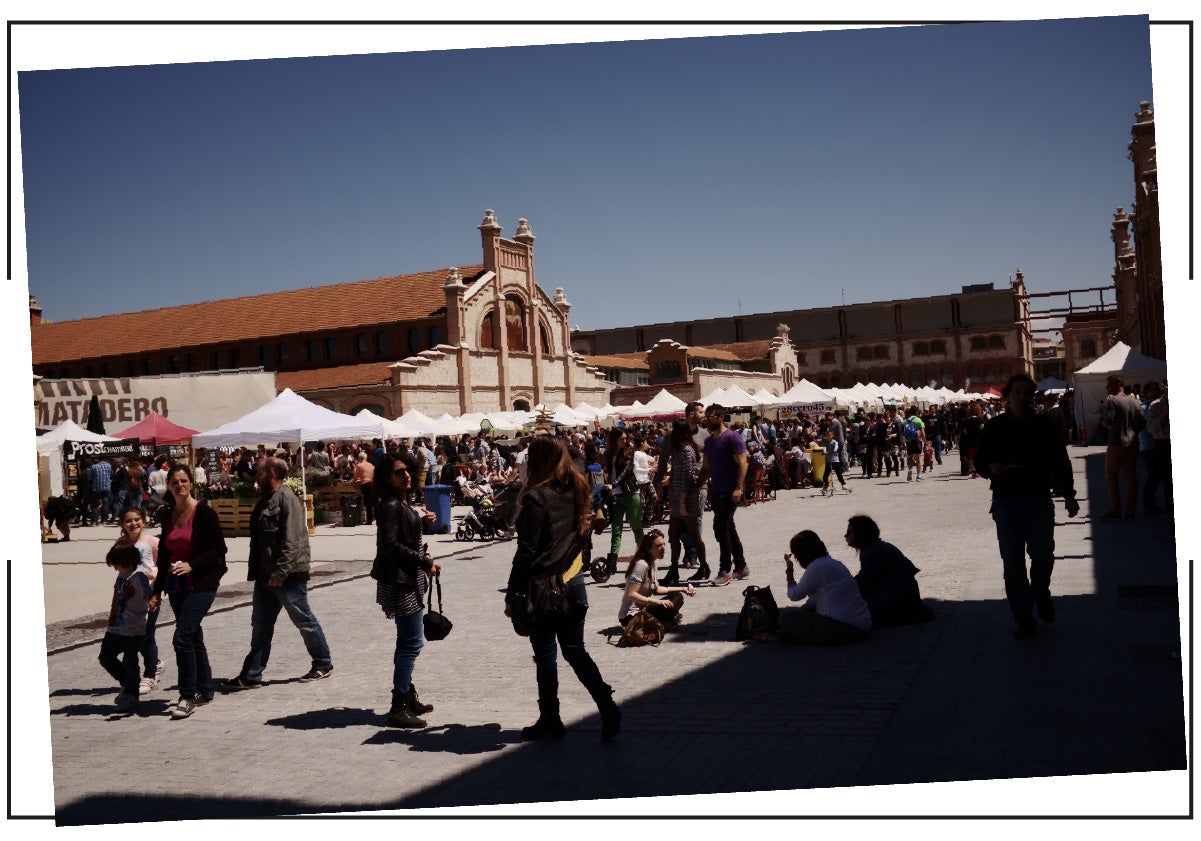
392	429
156	429
663	404
805	397
736	397
717	395
50	445
764	398
1089	381
421	424
289	417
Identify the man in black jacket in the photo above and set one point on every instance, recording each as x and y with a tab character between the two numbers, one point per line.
279	567
1023	455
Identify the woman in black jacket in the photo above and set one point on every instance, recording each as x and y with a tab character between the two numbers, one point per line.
191	561
402	573
552	528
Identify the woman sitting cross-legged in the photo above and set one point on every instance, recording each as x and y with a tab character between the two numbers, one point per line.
643	592
835	613
886	577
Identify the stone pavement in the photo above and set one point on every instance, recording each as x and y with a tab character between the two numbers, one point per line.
954	699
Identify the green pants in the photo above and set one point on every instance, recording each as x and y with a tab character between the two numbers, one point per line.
626	506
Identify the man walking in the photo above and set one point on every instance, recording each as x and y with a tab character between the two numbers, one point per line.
694	416
914	433
725	467
1123	420
100	482
1021	452
279	568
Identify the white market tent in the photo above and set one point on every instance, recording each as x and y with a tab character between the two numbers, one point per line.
663	403
422	424
50	444
735	396
764	398
717	395
805	397
289	417
1089	381
393	429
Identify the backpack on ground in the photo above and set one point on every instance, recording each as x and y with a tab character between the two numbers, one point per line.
760	615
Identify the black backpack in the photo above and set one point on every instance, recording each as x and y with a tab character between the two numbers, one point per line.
760	615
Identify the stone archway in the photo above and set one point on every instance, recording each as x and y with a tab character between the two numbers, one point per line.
521	405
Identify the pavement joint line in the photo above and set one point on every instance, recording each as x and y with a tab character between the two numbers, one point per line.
243	600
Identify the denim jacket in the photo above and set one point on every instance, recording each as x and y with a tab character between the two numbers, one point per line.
279	539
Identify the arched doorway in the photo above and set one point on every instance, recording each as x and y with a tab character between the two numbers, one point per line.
521	405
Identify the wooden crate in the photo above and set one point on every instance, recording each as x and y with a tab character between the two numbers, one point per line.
234	515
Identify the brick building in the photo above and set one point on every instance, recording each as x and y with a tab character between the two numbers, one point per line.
980	335
474	338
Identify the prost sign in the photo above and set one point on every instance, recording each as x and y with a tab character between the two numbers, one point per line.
74	450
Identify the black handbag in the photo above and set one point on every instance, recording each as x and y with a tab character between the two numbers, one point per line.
760	615
436	625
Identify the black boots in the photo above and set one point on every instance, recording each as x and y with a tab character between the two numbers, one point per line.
548	723
701	574
610	715
404	712
418	707
673	576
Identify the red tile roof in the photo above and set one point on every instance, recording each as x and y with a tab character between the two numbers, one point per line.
384	300
366	373
740	351
627	361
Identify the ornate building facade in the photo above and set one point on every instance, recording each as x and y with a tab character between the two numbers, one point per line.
476	338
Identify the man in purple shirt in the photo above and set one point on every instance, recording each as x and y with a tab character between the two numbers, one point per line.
725	467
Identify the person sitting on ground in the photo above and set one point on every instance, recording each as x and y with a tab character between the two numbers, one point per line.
835	613
886	577
643	592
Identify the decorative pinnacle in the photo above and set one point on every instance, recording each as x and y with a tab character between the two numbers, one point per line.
453	280
524	234
489	223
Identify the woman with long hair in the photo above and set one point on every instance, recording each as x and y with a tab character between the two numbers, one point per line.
622	484
643	592
887	579
685	502
552	529
834	613
402	574
191	561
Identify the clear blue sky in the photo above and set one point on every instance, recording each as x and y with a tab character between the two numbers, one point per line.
664	179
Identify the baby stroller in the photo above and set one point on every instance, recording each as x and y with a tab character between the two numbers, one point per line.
490	518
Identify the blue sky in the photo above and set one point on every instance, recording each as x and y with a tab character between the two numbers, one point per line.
664	179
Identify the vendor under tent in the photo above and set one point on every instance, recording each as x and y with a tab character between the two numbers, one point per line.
157	430
1089	382
287	418
50	447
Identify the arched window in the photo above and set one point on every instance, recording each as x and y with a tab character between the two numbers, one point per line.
990	373
823	382
973	373
515	323
370	407
996	341
931	377
978	343
521	405
948	377
788	377
921	349
915	378
488	331
1088	347
836	381
544	339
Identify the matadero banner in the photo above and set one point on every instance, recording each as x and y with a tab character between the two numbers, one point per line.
200	401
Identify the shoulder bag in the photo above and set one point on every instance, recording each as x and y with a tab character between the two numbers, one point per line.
436	625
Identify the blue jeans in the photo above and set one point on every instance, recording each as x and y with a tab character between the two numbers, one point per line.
119	656
149	645
1025	525
726	532
192	658
409	642
101	506
937	440
265	606
569	633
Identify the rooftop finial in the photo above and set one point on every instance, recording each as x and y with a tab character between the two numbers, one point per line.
489	223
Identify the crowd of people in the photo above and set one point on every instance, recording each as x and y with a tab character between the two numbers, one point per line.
574	484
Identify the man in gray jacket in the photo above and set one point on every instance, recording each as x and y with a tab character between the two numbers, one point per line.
279	568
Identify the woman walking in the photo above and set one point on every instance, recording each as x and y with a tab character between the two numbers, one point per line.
622	484
685	503
552	528
401	571
191	561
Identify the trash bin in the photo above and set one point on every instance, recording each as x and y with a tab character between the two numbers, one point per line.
352	509
437	500
818	457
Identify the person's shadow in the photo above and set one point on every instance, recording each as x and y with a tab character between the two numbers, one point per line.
449	738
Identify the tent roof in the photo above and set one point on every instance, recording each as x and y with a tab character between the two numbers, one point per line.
289	417
1121	357
68	430
156	429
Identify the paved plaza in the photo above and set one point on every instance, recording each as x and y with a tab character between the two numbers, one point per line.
957	698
